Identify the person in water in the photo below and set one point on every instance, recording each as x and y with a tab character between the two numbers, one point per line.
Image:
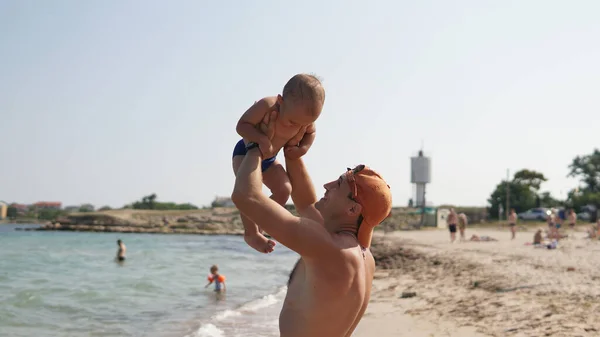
217	278
122	250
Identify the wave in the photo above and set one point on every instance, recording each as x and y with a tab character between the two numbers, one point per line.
222	321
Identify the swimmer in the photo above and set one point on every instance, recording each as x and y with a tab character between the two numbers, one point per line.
122	250
295	110
512	220
217	278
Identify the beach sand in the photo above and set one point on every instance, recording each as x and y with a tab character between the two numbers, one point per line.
473	289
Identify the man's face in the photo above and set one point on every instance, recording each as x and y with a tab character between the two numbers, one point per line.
337	199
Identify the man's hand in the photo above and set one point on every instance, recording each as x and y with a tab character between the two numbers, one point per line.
267	127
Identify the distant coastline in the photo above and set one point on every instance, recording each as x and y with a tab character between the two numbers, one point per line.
209	221
215	221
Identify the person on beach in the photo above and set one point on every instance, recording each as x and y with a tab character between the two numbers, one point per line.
462	225
452	219
298	107
217	278
481	238
572	218
121	251
537	237
551	225
557	222
330	286
512	222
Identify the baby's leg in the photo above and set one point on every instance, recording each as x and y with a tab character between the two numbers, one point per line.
278	181
252	234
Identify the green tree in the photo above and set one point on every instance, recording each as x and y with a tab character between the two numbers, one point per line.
587	169
523	192
11	212
104	208
529	178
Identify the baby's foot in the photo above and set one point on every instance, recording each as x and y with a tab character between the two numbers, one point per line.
259	242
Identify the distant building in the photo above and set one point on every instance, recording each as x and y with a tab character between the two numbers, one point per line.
222	202
3	210
47	205
21	208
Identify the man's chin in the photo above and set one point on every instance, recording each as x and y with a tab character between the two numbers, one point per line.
319	204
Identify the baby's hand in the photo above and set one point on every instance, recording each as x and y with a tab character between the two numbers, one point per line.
267	127
294	151
266	148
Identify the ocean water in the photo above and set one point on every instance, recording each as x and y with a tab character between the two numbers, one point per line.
68	284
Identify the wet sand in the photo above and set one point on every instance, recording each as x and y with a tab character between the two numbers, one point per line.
472	289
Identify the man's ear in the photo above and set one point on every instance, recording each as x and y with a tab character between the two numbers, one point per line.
354	210
279	99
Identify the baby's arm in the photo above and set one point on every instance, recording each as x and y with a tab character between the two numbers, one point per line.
247	125
308	138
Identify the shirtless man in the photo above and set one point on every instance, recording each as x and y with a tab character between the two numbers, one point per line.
122	250
512	222
551	225
462	225
330	286
452	219
572	218
557	224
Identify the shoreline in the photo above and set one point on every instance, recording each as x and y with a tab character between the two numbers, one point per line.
426	286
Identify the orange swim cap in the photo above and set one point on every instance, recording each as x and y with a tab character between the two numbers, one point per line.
375	197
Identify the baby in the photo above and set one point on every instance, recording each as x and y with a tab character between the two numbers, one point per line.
297	109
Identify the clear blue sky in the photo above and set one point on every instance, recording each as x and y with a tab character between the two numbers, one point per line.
107	101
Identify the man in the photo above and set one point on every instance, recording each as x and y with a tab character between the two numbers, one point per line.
462	225
572	218
121	251
512	222
452	218
330	286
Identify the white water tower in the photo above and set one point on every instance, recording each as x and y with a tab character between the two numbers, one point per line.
420	175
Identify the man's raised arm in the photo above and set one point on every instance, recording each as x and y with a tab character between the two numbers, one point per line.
303	191
302	235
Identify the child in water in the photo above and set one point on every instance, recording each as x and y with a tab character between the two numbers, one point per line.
217	278
296	110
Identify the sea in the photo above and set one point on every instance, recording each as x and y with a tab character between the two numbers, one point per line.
61	284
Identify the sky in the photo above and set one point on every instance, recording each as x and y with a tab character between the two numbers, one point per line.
104	102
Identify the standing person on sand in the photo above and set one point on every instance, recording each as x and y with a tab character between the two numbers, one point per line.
512	222
572	218
462	225
330	286
452	219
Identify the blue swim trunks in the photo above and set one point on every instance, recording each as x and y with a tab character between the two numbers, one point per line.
240	150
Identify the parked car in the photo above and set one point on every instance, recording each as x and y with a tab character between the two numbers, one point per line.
584	216
535	214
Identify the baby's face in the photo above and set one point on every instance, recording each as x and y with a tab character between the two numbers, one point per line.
299	114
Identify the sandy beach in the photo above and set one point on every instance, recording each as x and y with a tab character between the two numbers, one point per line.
472	289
